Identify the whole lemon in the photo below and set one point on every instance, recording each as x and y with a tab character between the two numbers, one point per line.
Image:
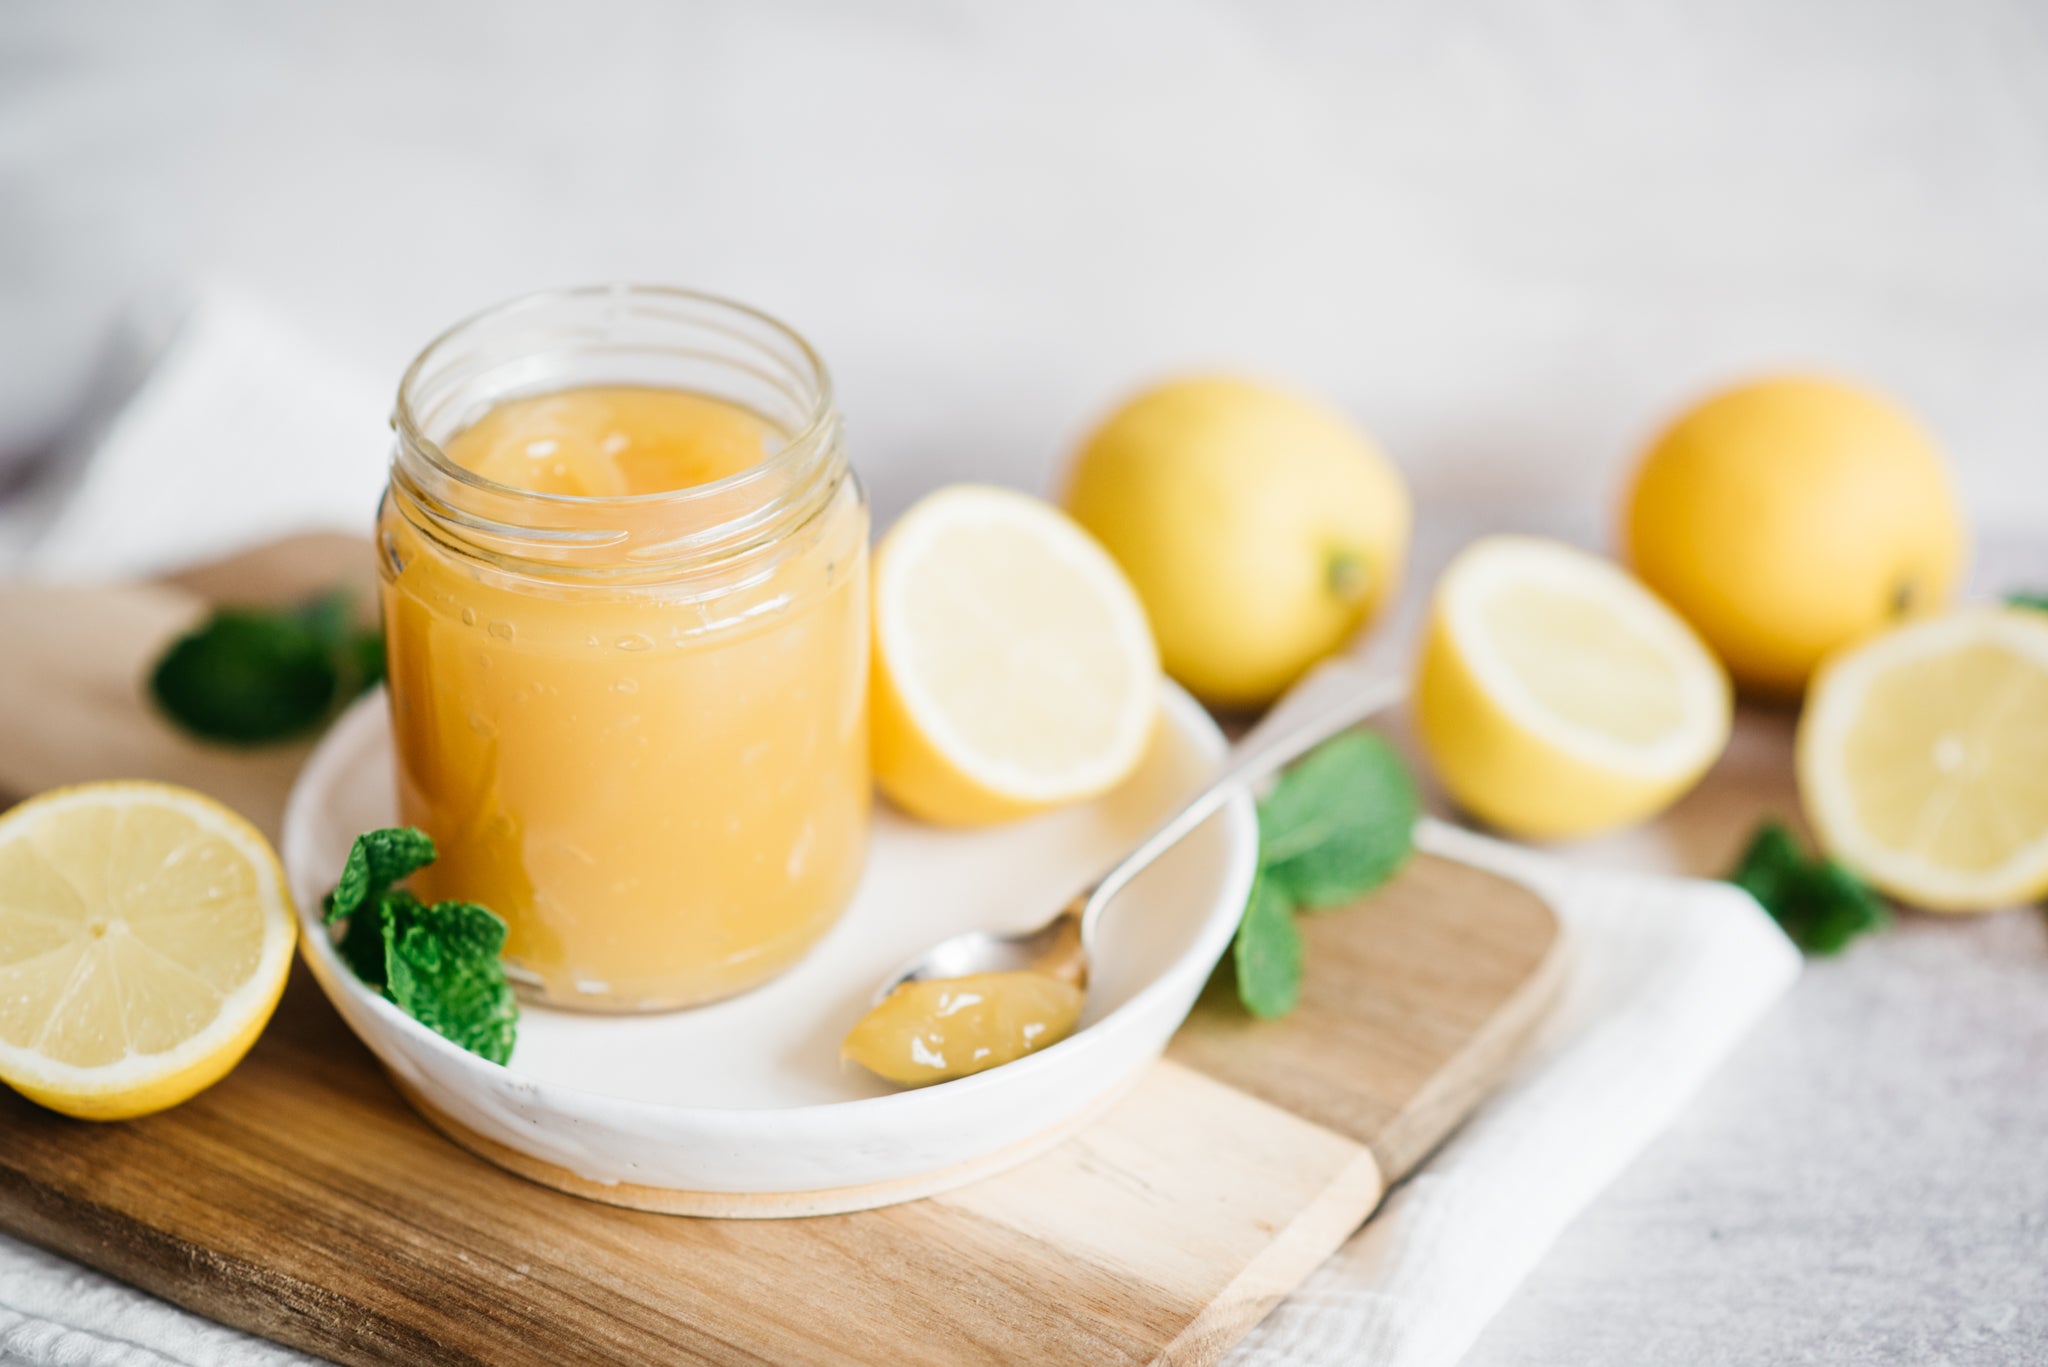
1788	517
1260	528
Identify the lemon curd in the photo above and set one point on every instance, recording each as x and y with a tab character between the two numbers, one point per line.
938	1029
625	606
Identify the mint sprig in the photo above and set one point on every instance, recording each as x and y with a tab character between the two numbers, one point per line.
2028	598
1338	824
1820	905
1266	955
255	676
439	964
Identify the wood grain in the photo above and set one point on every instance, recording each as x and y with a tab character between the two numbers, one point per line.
73	687
1451	999
303	1200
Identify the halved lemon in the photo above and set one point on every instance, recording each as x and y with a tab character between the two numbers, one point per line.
145	937
1556	696
1923	760
1014	668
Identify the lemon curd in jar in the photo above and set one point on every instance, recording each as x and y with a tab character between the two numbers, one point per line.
627	636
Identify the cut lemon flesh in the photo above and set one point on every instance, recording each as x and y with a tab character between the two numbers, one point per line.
1014	668
1923	760
145	936
1556	696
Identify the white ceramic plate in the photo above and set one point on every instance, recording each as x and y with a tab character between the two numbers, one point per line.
743	1107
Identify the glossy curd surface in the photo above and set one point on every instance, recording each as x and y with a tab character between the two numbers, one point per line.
937	1029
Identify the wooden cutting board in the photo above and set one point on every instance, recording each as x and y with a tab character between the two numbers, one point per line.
301	1199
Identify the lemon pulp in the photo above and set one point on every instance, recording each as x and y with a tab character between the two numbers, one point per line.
144	938
1556	696
1924	760
1013	666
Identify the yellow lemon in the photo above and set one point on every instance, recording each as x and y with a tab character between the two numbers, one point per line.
145	937
1260	528
1013	668
1789	517
1923	760
1557	697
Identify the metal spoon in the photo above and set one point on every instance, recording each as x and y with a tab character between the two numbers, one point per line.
1332	697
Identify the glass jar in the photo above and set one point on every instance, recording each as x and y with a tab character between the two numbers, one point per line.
634	725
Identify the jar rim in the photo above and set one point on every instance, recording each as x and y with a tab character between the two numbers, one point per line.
795	446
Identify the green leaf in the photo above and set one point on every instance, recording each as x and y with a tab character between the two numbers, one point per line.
361	946
246	678
2034	599
326	616
366	660
357	653
255	676
1340	822
1267	953
445	973
376	861
1820	904
438	963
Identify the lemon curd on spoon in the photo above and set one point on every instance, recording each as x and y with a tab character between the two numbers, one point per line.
627	636
937	1029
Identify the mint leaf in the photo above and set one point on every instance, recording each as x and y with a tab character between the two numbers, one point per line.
246	678
1821	905
1340	822
362	940
253	676
444	972
439	964
1266	953
376	861
357	653
2034	599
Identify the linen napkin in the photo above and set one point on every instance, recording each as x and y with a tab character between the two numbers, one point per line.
1665	974
244	432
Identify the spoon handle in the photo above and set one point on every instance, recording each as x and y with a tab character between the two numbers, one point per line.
1333	696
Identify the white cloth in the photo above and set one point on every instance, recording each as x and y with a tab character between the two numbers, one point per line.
244	432
1665	974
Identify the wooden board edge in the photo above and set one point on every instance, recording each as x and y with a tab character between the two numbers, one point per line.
1278	1270
294	1312
1476	1072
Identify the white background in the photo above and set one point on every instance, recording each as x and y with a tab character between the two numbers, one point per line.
1508	237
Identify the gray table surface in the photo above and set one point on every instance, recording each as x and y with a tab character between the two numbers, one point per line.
1863	1182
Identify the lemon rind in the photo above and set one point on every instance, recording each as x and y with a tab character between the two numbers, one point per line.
899	557
1834	704
30	1071
1705	698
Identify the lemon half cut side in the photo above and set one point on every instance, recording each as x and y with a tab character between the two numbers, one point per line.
1923	759
145	937
1557	696
1014	668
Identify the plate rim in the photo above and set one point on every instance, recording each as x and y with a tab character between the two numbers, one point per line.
347	735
